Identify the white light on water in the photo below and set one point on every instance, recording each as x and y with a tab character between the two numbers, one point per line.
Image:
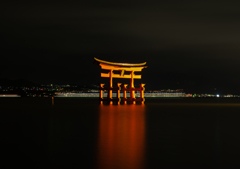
217	95
9	95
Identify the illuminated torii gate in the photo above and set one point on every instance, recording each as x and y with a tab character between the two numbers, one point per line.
121	67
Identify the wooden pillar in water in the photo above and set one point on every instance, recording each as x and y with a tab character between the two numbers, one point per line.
110	85
118	92
142	92
125	93
101	93
132	92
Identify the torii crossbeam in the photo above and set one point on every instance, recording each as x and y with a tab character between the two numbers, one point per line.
122	68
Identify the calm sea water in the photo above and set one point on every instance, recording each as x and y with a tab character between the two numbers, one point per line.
80	133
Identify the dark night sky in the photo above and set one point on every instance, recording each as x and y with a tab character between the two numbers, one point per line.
186	44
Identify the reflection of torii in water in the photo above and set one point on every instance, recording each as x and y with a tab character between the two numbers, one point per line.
122	67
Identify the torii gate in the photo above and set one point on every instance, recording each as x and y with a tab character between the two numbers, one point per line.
121	67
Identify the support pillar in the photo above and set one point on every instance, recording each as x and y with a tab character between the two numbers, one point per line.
125	93
110	85
132	91
118	92
142	93
101	93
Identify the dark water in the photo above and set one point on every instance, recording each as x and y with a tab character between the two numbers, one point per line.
80	133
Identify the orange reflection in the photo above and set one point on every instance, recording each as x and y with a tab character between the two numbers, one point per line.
121	141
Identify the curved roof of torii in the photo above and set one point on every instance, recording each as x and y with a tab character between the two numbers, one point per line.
121	64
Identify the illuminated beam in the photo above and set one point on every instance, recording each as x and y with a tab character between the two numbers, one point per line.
108	67
119	76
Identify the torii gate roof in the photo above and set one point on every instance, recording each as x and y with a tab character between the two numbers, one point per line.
122	64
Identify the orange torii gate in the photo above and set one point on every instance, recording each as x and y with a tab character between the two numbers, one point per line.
121	67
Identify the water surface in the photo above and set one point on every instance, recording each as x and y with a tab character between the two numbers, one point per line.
80	133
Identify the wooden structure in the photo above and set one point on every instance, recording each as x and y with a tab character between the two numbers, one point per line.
121	68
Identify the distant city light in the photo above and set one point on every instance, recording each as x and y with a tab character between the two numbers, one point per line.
67	90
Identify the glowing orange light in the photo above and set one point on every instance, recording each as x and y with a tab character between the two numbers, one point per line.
121	142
